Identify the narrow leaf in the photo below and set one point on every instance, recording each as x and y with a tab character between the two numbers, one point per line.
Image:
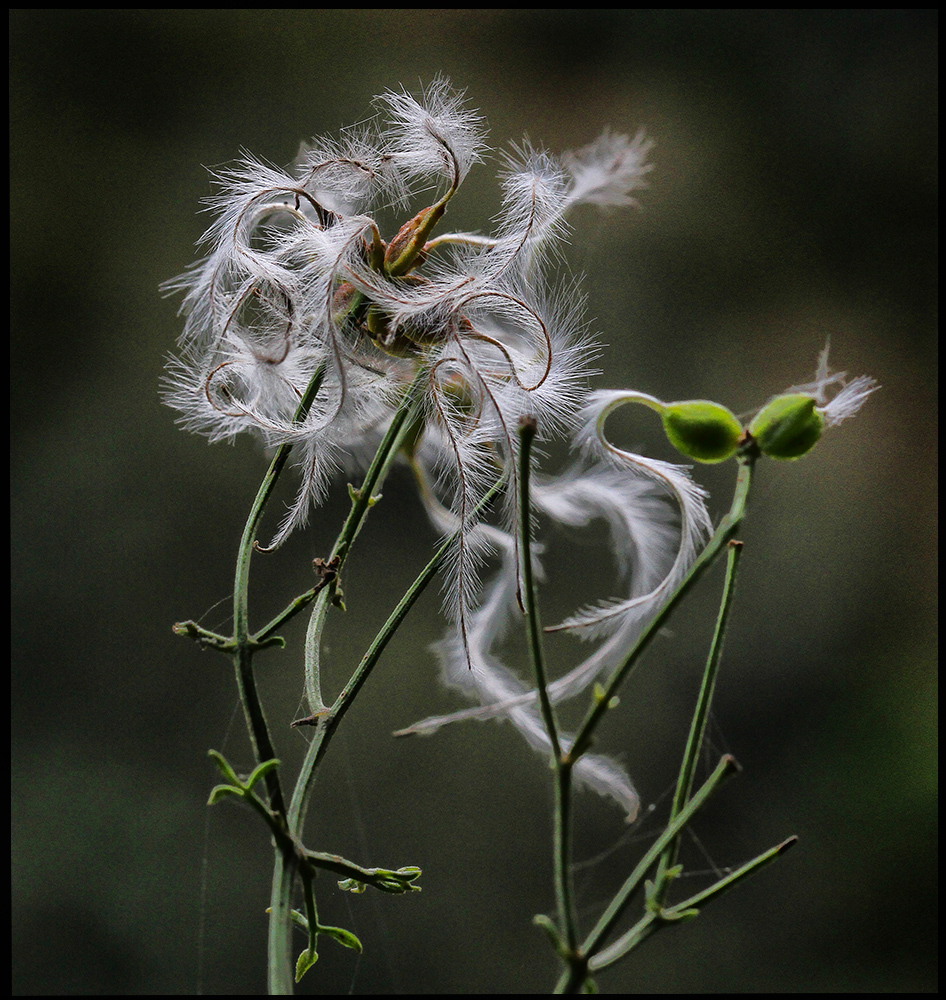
343	937
305	962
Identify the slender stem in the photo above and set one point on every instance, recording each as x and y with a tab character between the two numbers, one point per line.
659	917
561	852
698	725
241	583
279	946
312	673
562	847
256	724
279	961
328	721
584	959
380	464
243	654
735	877
311	910
362	501
527	430
290	611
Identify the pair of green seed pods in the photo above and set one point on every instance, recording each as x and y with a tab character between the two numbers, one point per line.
785	428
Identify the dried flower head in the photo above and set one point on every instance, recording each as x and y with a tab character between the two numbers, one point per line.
300	287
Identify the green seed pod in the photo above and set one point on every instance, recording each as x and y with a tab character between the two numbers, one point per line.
788	427
699	429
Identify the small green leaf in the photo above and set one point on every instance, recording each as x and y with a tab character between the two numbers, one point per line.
558	943
219	791
305	962
259	771
650	896
205	638
276	641
224	767
599	694
343	937
397	881
352	885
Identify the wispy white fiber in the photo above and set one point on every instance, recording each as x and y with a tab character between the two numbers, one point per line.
606	171
837	398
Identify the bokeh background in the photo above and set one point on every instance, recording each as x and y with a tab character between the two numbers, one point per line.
793	198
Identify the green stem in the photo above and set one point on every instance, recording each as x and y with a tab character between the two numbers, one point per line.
362	500
733	878
327	721
243	654
279	947
698	725
280	970
290	611
659	917
562	847
584	958
527	431
256	723
311	910
563	767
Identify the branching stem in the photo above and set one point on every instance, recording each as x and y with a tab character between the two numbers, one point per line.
563	769
698	725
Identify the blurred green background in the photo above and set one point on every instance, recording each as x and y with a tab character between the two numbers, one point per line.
793	197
